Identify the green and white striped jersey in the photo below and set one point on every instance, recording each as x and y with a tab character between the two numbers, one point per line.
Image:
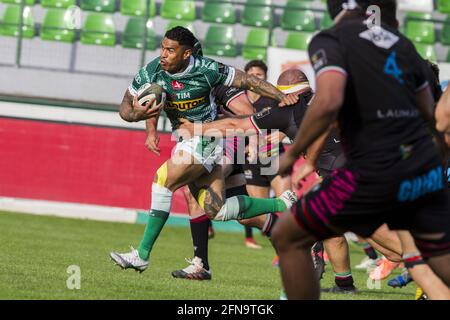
189	92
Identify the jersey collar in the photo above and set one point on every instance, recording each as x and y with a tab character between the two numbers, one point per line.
182	73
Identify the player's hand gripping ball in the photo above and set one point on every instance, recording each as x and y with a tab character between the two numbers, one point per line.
150	91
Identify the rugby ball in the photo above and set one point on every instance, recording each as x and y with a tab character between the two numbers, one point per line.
150	91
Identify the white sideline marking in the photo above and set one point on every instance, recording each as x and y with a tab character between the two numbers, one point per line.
73	210
64	114
68	210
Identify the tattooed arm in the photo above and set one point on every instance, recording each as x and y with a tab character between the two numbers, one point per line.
132	111
262	87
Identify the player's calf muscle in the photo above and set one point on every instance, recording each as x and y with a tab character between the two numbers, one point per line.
209	200
212	203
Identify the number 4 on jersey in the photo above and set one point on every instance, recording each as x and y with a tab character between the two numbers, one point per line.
391	67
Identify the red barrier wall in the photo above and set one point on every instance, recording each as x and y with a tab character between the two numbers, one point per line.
82	164
77	163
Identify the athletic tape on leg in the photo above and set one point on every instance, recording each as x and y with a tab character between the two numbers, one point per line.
229	210
161	198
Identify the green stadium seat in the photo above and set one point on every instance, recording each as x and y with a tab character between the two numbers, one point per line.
220	41
443	6
445	33
187	24
27	2
57	3
417	16
259	2
298	19
421	31
58	26
448	57
427	51
298	4
219	13
133	35
256	43
9	26
326	21
137	7
99	29
178	10
99	5
257	16
298	40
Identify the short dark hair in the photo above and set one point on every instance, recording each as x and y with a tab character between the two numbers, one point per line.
182	35
256	63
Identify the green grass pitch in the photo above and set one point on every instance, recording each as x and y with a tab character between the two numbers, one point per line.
37	250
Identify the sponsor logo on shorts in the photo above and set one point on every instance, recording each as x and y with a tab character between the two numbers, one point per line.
248	174
185	105
264	112
232	91
417	187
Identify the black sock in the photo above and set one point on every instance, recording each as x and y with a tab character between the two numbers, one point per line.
370	251
199	232
344	279
248	232
268	225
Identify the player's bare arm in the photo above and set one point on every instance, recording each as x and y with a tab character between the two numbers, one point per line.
152	140
225	127
132	111
318	118
311	158
262	87
241	106
425	103
442	114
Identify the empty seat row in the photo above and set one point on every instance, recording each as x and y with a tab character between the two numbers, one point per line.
295	16
99	29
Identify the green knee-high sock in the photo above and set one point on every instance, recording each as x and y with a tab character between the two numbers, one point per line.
156	221
252	207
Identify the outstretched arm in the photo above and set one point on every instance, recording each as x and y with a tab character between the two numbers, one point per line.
239	126
314	150
311	158
262	87
241	106
438	120
442	114
319	116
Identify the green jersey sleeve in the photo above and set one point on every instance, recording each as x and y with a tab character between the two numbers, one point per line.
219	74
145	75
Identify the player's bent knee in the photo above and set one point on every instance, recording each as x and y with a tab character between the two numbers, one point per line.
336	241
246	222
280	236
287	235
